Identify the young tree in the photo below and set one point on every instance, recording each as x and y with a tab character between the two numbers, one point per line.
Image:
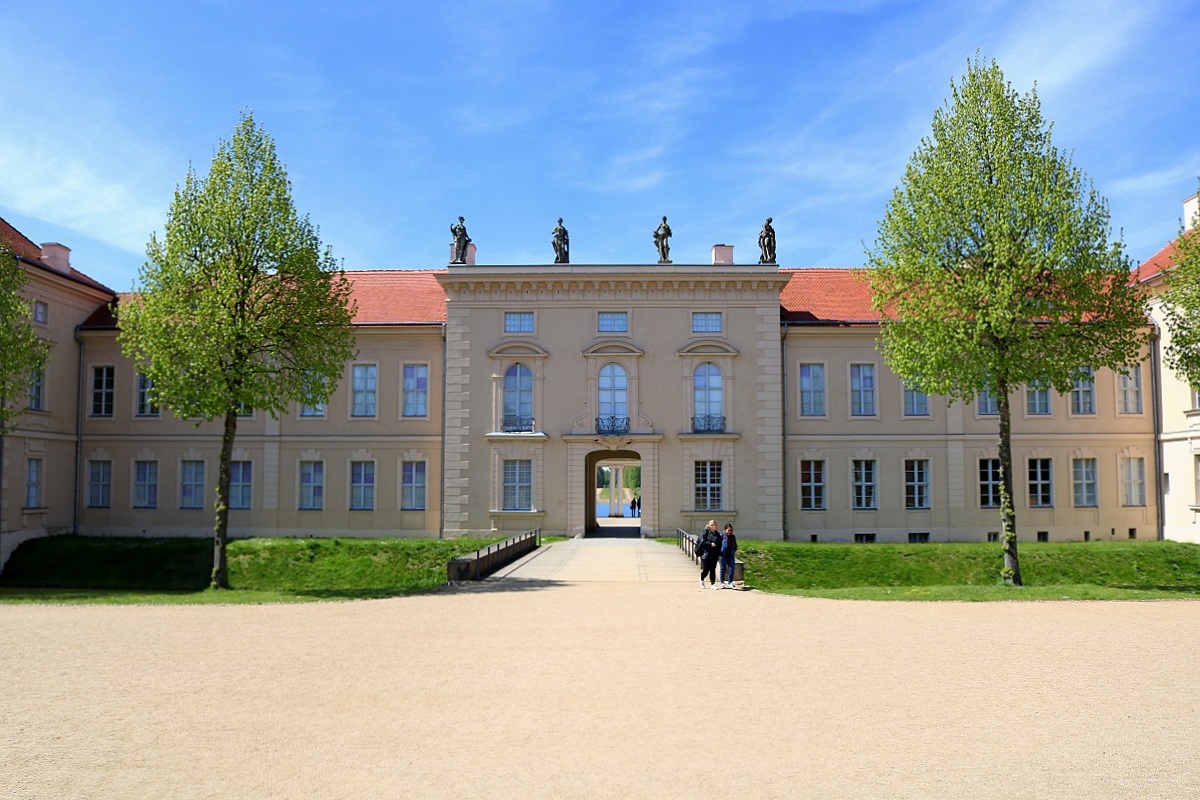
993	265
239	306
1181	304
22	353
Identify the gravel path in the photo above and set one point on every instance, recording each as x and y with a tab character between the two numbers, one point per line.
601	688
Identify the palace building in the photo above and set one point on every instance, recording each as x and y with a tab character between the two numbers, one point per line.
489	399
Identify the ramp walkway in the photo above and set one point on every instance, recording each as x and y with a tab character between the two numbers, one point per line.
603	560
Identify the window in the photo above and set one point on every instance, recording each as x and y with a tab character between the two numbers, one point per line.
812	390
863	483
146	407
412	485
918	538
191	484
37	389
1040	487
916	403
103	382
1133	481
916	483
986	404
1129	390
362	390
33	483
706	322
1037	400
989	483
1083	395
518	485
993	536
862	390
316	409
812	485
416	390
99	484
864	538
241	475
41	312
145	484
245	411
708	398
708	486
362	485
518	399
518	322
1043	536
312	485
613	399
1083	480
612	322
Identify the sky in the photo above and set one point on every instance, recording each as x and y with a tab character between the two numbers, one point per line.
393	119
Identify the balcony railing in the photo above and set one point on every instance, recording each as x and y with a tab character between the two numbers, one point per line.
612	426
516	424
708	423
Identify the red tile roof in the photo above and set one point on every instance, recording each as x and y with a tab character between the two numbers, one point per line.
32	254
827	295
397	296
1153	267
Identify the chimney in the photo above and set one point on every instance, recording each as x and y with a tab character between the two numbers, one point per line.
722	254
57	257
1191	207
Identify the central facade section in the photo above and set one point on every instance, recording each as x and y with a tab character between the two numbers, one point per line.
554	370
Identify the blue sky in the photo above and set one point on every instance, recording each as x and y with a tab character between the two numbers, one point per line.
393	119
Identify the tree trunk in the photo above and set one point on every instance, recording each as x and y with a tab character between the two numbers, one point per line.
220	571
1008	515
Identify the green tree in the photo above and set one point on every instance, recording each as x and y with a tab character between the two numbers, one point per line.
993	265
239	306
22	353
1181	304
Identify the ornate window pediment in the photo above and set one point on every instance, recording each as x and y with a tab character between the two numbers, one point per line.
707	347
608	347
518	350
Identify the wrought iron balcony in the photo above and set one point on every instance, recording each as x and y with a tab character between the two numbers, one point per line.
612	426
516	424
708	423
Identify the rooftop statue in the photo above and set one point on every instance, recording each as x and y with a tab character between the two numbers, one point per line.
766	243
562	244
662	236
461	240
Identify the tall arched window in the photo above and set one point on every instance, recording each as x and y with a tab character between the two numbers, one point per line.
708	399
518	399
613	400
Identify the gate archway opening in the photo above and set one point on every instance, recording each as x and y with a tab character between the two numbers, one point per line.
614	493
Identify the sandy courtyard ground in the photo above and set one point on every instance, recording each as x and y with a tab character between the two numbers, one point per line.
626	685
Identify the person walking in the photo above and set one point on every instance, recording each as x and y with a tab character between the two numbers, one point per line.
728	549
708	547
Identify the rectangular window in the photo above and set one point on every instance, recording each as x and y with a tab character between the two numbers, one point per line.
863	483
916	403
864	538
412	485
245	410
812	390
986	404
146	407
416	390
862	390
1083	481
1041	493
612	322
315	410
1129	390
812	485
989	483
518	322
918	538
518	485
706	322
362	485
916	483
145	484
241	481
707	495
37	390
41	312
191	484
103	389
312	485
33	483
1037	400
99	484
362	390
1133	481
1083	395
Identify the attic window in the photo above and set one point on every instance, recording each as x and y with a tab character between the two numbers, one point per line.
40	312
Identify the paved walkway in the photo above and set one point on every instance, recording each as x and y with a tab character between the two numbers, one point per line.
600	559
